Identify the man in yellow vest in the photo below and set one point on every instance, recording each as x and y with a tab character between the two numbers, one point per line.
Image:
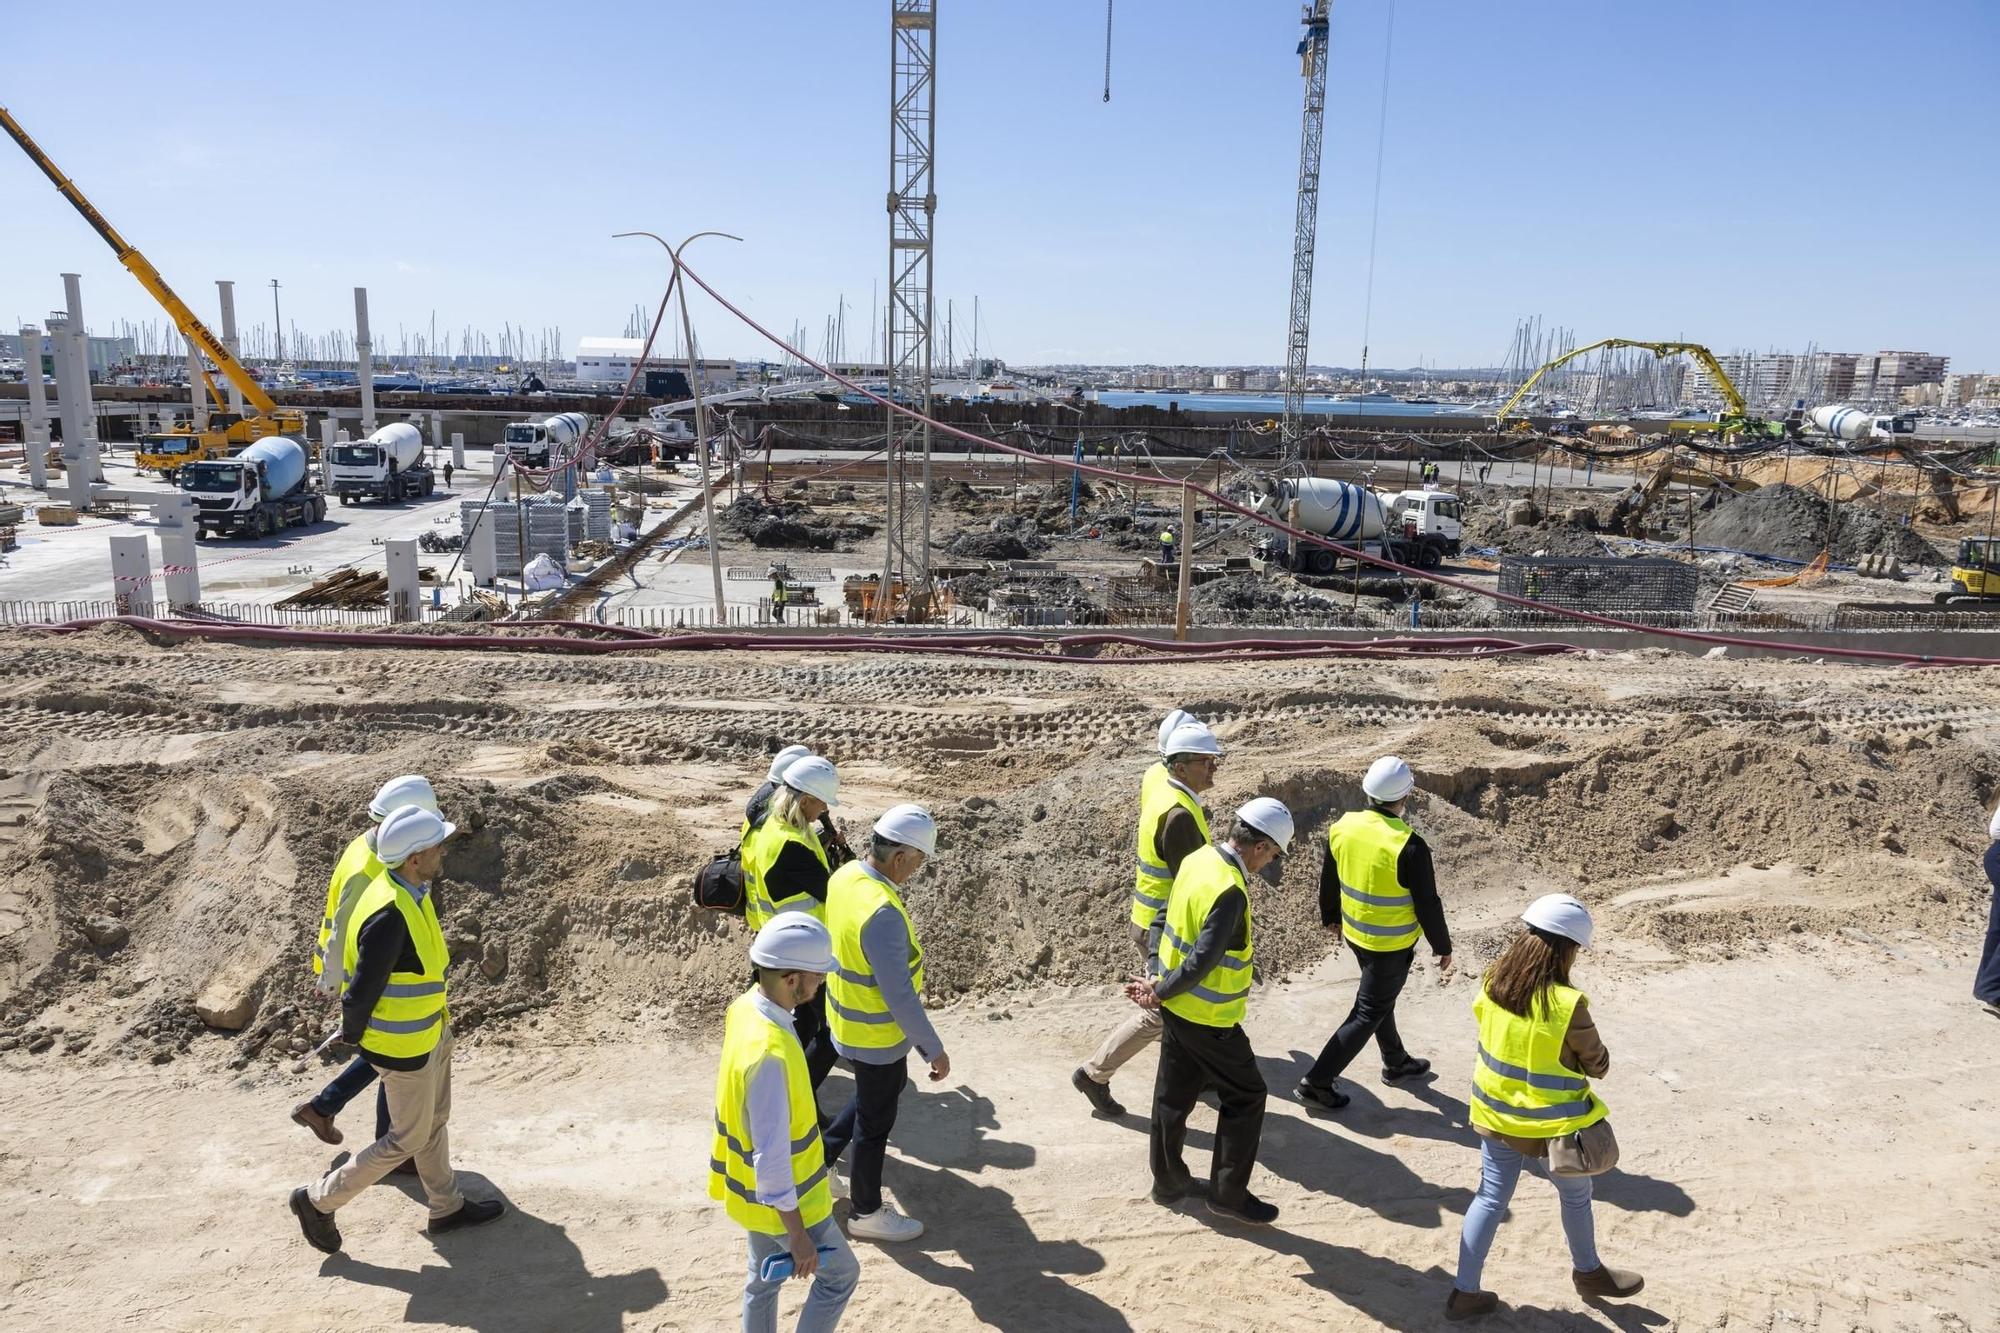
875	1009
1172	823
357	867
395	1008
767	1165
1378	888
1206	952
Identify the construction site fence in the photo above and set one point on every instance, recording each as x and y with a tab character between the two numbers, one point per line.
50	613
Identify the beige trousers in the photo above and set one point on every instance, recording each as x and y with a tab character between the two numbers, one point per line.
419	1111
1135	1034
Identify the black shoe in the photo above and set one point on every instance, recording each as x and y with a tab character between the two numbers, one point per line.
1101	1100
1250	1209
472	1213
320	1231
1412	1067
1166	1195
1312	1094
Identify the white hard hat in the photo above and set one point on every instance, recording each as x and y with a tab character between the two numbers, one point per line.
1560	914
910	825
784	759
1191	738
410	789
1173	720
793	942
1388	779
1269	817
815	777
409	830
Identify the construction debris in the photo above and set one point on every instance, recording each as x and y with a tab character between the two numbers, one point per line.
350	589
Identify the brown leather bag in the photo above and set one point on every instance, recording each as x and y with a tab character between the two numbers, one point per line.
1590	1151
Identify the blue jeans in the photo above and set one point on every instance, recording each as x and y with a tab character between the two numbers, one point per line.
1986	985
1499	1171
832	1285
346	1086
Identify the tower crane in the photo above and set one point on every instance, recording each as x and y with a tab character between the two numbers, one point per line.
1312	63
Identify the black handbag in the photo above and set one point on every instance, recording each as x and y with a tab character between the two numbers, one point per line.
718	886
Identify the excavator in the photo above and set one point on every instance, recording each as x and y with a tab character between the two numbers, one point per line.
1633	503
224	432
1736	418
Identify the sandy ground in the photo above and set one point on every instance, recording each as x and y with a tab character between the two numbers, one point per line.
1783	859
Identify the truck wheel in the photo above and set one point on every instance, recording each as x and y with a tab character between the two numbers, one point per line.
1429	556
346	500
262	527
318	510
1321	561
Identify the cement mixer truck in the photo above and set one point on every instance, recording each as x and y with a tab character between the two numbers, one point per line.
264	489
388	465
1419	528
532	443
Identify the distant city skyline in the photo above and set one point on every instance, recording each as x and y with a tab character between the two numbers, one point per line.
1655	172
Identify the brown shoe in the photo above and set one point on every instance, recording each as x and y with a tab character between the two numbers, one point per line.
1470	1304
1602	1281
322	1126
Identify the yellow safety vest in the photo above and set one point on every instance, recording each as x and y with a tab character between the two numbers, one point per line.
1376	911
1520	1086
749	1039
1222	996
779	594
855	1009
358	866
760	853
1158	795
410	1016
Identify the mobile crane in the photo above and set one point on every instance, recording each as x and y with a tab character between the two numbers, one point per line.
224	432
1735	419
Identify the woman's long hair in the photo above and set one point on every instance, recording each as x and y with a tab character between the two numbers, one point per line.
785	807
1519	980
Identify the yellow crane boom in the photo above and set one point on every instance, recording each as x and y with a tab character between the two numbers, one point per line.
149	278
1734	406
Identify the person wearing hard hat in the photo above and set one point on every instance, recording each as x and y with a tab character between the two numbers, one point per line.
785	868
1378	888
357	868
875	1010
767	1164
394	1007
779	596
1206	950
1172	823
753	810
1538	1051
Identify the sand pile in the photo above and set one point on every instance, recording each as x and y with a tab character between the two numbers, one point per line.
1796	524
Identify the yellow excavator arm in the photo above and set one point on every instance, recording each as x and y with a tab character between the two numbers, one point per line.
149	278
1732	400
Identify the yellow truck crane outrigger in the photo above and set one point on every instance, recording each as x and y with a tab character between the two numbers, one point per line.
223	432
1735	418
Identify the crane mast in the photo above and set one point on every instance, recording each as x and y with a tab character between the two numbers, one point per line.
1312	61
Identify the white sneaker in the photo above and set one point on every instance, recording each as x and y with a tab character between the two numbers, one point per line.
885	1224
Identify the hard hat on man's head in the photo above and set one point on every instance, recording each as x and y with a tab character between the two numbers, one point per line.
1168	724
408	831
410	789
1269	817
1388	780
784	759
1191	738
793	942
1560	914
814	776
909	826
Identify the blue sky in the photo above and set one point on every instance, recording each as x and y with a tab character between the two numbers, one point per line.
1750	175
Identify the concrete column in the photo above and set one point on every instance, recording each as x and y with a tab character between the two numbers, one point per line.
227	290
38	409
131	575
481	560
403	582
436	440
458	451
178	560
364	361
79	447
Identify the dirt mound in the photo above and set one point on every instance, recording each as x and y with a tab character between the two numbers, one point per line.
1008	537
1239	593
791	525
1796	524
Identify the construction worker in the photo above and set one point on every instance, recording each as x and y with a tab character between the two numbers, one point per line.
875	1010
767	1164
395	1007
1172	823
447	474
1166	546
779	596
785	868
1378	889
1538	1051
357	868
753	810
1986	982
1206	949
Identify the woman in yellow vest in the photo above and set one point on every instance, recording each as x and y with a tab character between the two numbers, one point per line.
1172	824
1206	951
766	1163
1538	1051
785	869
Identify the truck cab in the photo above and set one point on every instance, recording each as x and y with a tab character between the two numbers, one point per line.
1429	520
526	443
